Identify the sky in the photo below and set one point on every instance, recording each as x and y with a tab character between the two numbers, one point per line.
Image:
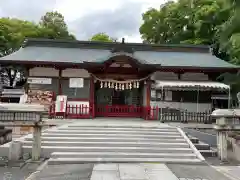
117	18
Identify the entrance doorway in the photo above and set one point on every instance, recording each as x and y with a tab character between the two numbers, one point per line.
110	102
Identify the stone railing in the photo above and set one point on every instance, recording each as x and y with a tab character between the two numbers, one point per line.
227	120
23	115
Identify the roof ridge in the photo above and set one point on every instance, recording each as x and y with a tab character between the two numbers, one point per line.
109	45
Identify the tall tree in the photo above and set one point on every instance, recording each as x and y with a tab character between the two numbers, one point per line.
229	31
55	25
14	31
101	37
183	21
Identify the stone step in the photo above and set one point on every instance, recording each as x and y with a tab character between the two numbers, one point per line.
59	161
48	150
70	131
202	146
111	144
194	140
125	129
129	126
107	139
54	134
120	155
208	153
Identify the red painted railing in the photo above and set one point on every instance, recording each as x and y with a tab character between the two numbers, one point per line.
118	111
149	113
83	111
79	111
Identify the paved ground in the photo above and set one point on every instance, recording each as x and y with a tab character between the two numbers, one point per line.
17	173
232	172
196	172
143	171
66	172
206	137
131	171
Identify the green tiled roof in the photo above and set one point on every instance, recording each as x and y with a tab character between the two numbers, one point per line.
185	59
80	52
56	54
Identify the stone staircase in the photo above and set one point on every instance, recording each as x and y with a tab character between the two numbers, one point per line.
203	148
73	143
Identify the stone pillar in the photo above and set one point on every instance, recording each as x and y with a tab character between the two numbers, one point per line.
224	124
222	145
36	146
15	151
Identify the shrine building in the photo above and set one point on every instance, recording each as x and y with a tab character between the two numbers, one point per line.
118	79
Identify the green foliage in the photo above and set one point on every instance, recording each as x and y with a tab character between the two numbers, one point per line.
14	31
54	26
103	37
206	22
184	21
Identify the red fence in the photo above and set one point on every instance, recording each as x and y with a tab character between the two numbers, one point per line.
148	113
79	111
118	111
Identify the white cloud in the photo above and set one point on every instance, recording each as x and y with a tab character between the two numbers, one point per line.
118	18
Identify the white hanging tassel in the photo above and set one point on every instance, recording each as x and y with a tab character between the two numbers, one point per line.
134	85
137	84
105	84
112	86
122	86
109	85
116	86
101	84
130	86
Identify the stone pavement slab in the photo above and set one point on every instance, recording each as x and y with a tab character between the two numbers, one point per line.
105	167
66	172
102	175
232	172
196	172
132	172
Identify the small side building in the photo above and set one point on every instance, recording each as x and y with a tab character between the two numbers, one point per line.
121	79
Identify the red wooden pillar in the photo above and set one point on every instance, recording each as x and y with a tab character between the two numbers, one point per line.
91	99
148	93
59	81
148	97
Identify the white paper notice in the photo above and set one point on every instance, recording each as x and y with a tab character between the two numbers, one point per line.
76	82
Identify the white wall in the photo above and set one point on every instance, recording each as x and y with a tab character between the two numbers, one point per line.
191	107
194	77
75	73
43	72
164	76
173	76
52	72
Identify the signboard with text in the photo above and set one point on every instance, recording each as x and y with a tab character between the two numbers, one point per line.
36	80
76	82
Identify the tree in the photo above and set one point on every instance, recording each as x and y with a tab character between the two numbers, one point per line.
205	22
229	31
53	23
14	31
184	21
101	37
12	34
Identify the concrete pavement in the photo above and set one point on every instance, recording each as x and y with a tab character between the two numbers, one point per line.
133	171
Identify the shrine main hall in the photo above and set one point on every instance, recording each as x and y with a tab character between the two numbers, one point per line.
118	79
